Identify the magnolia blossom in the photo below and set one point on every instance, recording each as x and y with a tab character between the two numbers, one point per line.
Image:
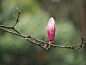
51	28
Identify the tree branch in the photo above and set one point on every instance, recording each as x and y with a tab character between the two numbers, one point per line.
42	43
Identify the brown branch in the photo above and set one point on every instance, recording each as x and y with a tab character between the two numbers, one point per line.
41	43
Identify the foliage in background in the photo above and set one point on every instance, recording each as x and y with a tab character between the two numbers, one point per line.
33	21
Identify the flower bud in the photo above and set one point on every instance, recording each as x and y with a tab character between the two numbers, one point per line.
51	28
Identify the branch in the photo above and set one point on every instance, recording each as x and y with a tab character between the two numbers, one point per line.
42	43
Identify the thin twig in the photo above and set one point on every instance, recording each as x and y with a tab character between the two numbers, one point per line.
2	27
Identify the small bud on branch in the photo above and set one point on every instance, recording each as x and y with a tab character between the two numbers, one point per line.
67	43
16	8
14	16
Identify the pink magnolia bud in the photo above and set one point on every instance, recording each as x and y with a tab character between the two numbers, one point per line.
51	28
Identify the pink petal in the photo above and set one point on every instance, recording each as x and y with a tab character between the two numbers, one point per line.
51	27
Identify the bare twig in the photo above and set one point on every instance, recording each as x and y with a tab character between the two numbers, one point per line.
2	27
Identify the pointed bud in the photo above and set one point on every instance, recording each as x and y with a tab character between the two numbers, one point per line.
67	43
83	44
43	38
74	43
16	8
14	16
51	28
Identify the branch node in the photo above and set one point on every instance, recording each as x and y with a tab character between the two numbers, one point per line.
19	12
29	36
26	38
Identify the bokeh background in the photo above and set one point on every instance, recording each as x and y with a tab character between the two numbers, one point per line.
70	17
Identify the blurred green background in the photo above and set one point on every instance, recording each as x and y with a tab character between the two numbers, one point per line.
70	18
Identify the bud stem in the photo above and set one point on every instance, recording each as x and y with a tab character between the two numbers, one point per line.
50	43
